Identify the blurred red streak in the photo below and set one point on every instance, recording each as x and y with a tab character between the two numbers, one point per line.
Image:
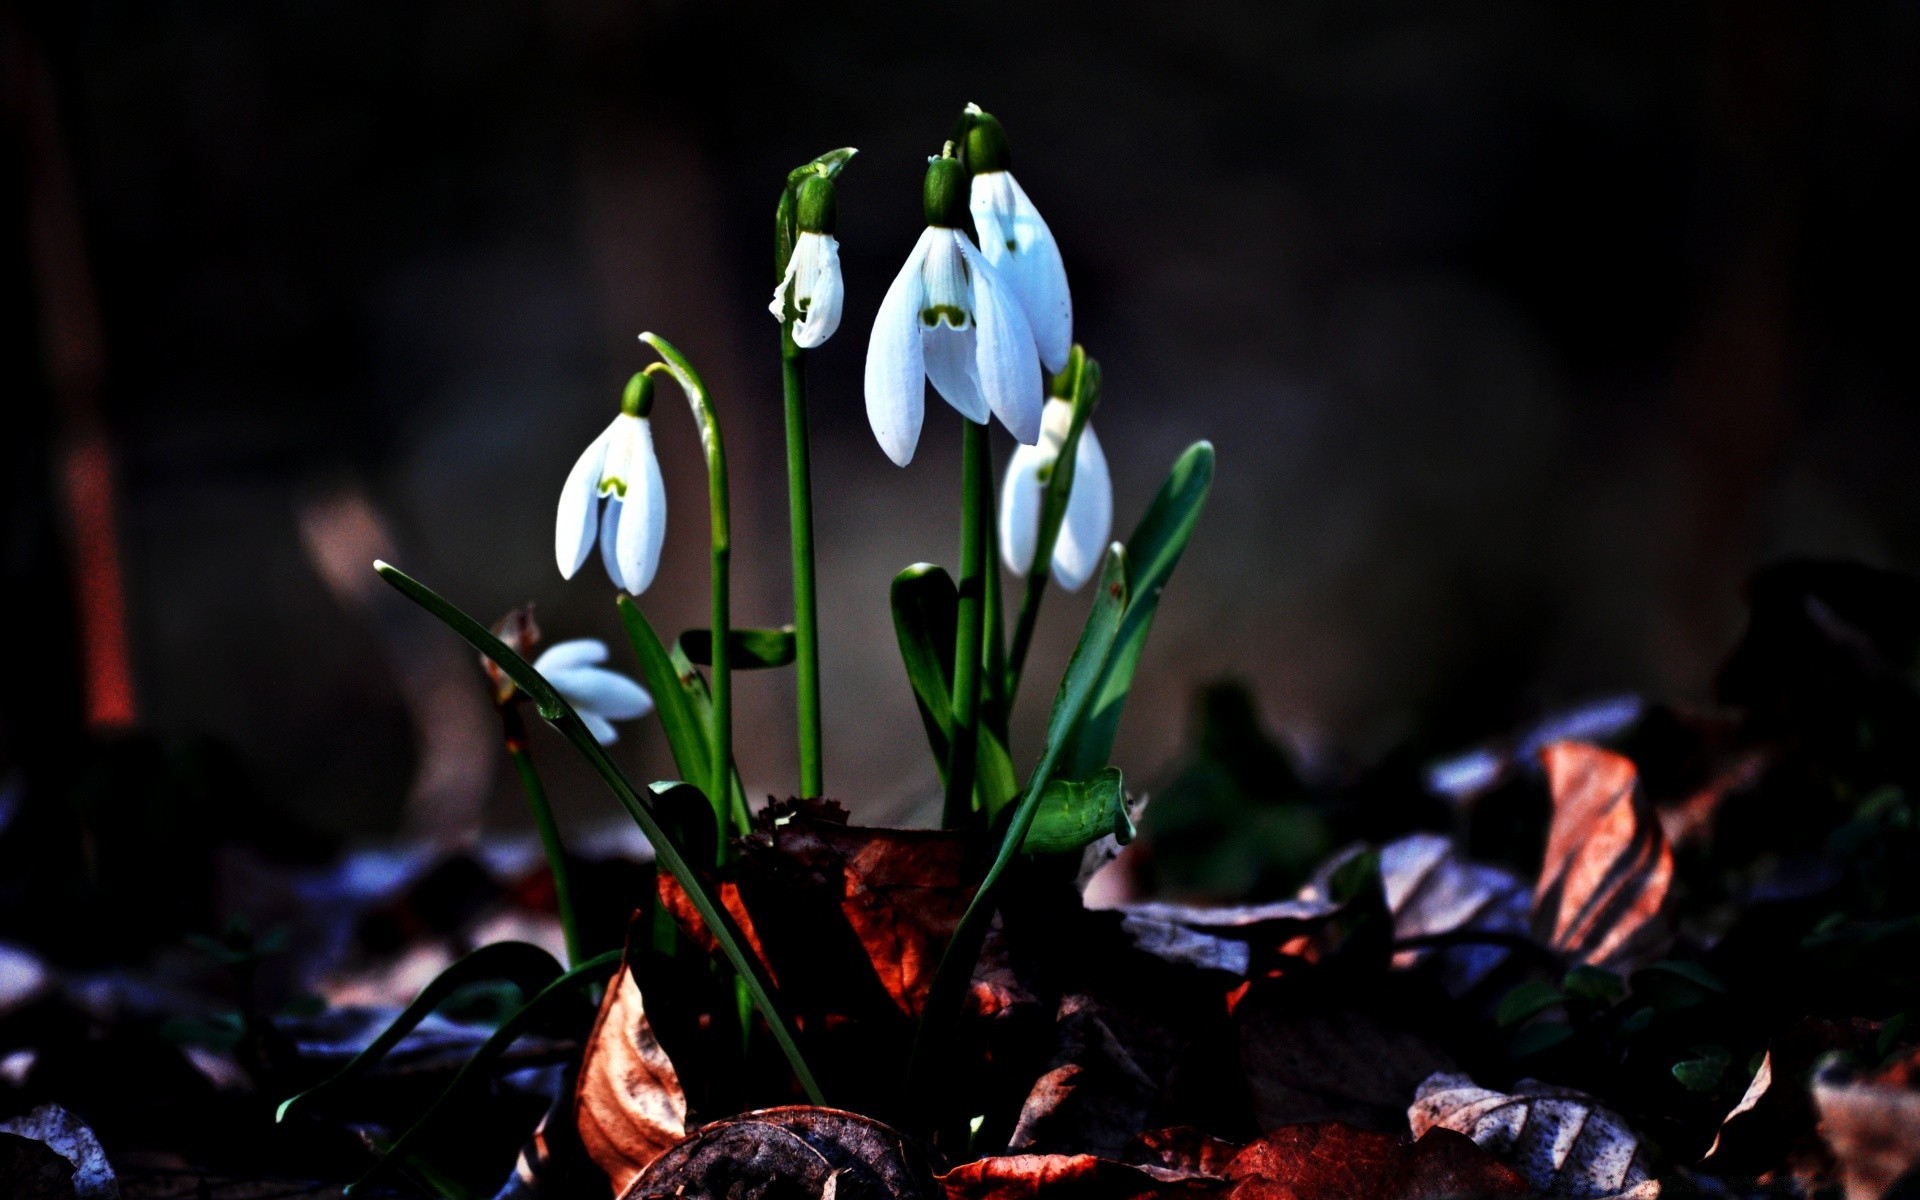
74	362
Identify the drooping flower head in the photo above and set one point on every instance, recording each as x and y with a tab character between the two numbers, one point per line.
951	319
598	695
620	469
1015	239
813	269
1089	515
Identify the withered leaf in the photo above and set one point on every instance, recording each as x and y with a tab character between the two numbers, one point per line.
1181	1148
1331	1161
1604	883
789	1153
1757	1090
1342	1064
31	1170
629	1106
1562	1141
1071	1177
70	1138
1872	1124
1093	1095
1432	889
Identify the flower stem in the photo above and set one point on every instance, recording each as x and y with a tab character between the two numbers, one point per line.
806	628
514	729
728	817
976	512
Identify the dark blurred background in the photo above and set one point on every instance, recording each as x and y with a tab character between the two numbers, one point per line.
1526	332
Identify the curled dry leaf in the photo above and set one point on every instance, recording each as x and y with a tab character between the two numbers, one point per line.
1872	1124
1093	1095
629	1106
1608	869
1331	1161
69	1137
1341	1064
1072	1177
788	1153
1562	1141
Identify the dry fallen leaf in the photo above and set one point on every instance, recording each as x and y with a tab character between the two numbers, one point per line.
1562	1141
1608	869
1331	1161
787	1153
629	1106
1433	890
1342	1064
1872	1123
69	1137
1072	1177
1094	1095
1181	1148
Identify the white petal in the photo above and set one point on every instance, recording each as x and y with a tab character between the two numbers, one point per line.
603	693
896	368
947	344
779	306
1006	363
643	518
1089	516
949	355
573	528
1016	240
565	656
601	728
819	283
1021	497
609	533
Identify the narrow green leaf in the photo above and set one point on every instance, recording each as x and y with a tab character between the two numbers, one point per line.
522	964
1084	671
700	699
1527	1000
686	731
1152	553
1074	815
555	709
753	649
925	617
541	1006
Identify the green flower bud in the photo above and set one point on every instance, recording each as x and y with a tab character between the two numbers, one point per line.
819	210
637	400
986	143
945	195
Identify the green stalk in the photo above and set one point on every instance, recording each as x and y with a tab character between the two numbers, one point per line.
720	738
806	627
514	729
554	708
994	705
976	510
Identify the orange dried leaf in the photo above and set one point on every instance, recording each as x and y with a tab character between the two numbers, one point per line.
1608	870
629	1106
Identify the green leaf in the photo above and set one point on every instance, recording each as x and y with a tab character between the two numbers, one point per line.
555	709
1529	999
522	964
1084	672
752	649
686	733
540	1007
1073	815
1672	985
925	617
1152	553
694	686
1595	984
1538	1039
1703	1072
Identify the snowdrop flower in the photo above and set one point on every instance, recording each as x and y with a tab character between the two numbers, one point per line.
1089	516
1017	242
621	468
813	269
950	318
598	695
